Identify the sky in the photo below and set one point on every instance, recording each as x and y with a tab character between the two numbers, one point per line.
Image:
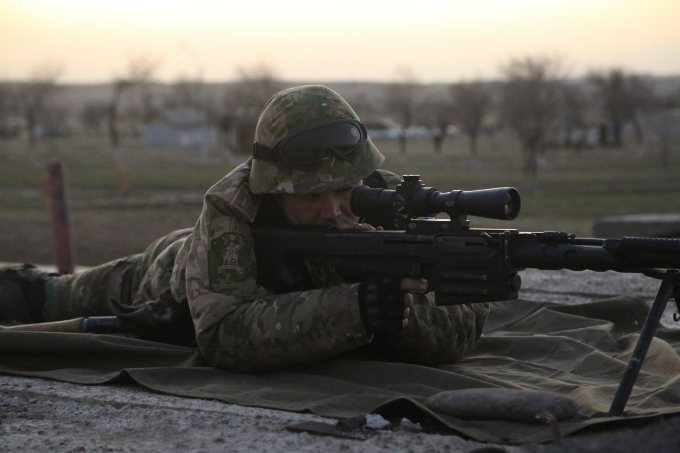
370	40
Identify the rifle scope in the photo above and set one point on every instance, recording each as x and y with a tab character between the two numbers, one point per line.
412	199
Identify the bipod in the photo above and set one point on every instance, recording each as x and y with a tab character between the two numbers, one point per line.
669	282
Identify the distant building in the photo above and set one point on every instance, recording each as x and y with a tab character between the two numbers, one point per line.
662	124
182	127
11	126
587	135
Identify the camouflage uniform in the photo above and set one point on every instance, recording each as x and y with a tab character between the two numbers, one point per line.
239	325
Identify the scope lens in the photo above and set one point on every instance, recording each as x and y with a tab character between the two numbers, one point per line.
512	204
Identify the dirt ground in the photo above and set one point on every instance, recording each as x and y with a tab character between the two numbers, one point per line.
43	416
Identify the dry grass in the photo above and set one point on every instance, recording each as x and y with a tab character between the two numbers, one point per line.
573	188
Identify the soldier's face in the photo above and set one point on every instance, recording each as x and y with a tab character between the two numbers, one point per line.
326	208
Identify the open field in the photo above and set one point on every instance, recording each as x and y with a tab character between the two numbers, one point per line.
573	188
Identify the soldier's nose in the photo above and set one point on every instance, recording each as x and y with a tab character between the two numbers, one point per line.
330	207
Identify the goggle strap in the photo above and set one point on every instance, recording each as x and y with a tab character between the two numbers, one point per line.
263	152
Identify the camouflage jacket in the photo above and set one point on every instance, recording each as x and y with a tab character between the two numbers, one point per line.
241	326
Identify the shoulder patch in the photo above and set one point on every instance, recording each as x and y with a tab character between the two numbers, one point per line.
229	260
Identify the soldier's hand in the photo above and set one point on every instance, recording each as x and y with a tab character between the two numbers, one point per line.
408	304
412	285
382	304
385	302
416	285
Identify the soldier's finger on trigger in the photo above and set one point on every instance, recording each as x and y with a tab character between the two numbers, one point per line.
418	285
408	301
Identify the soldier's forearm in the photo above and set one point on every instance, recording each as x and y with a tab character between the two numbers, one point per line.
284	330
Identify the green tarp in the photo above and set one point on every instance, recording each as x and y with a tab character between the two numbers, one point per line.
577	350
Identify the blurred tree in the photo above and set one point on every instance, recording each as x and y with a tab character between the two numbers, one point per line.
140	73
34	96
402	102
362	105
92	117
243	102
53	121
193	93
664	124
9	107
573	108
529	105
441	114
253	88
622	96
185	93
471	103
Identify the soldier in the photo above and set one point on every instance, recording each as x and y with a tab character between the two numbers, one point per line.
199	286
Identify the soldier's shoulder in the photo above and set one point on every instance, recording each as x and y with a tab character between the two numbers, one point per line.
233	193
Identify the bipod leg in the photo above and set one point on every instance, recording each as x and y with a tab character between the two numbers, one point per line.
648	330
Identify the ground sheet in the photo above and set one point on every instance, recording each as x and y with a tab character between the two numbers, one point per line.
576	350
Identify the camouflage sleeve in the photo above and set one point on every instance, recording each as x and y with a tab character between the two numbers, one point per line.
437	335
240	326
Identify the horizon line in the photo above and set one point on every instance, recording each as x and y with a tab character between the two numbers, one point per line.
340	81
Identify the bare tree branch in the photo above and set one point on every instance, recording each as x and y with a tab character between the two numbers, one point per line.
471	102
255	86
93	115
402	103
529	104
185	93
622	96
9	106
34	96
572	115
440	113
140	72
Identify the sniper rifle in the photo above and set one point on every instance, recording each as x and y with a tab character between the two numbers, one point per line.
463	264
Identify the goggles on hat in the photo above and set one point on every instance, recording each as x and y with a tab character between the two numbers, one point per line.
305	149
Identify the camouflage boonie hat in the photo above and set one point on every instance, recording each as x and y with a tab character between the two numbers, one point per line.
296	109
